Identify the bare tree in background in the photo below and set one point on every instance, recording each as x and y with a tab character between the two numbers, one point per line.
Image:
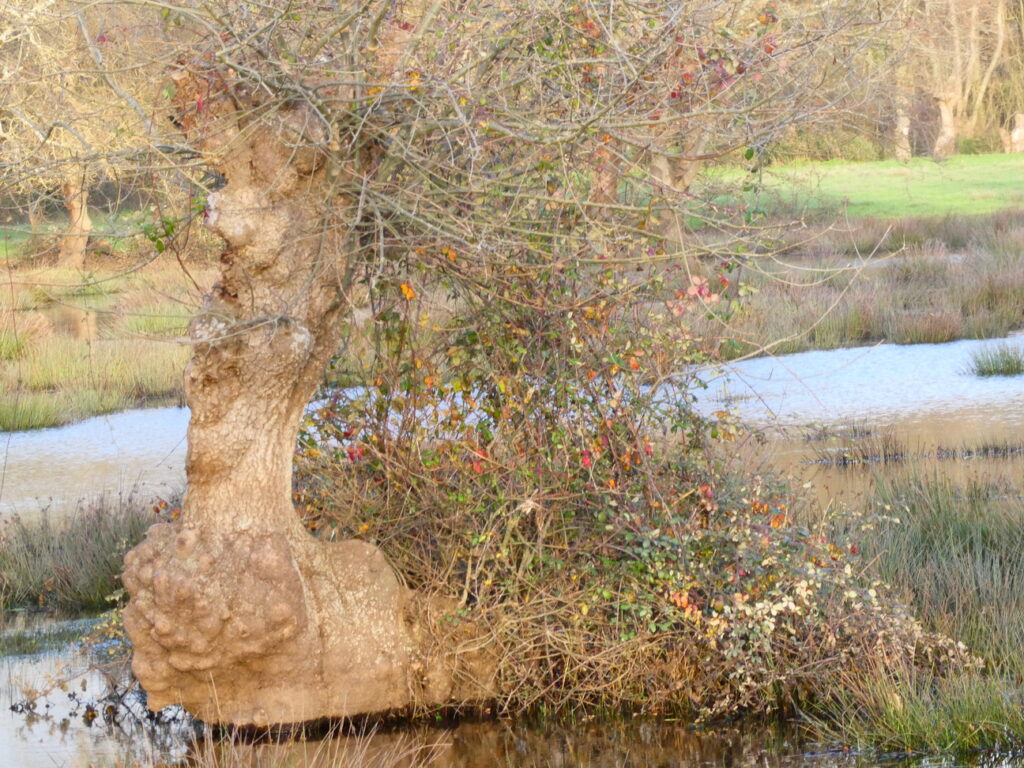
475	136
70	113
961	46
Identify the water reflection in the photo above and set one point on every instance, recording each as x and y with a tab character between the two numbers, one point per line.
61	734
484	745
76	722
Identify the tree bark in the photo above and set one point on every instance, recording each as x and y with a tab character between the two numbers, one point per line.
1016	135
235	611
901	137
945	142
75	240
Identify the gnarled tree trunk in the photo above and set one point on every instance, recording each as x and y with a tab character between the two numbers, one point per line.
235	611
75	193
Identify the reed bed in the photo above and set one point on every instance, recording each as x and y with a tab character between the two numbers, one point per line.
955	553
74	562
74	345
928	293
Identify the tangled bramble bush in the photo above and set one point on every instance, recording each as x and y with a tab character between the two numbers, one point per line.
533	450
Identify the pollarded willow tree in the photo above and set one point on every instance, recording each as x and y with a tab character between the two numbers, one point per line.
477	138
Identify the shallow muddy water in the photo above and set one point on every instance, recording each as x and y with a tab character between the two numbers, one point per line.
919	390
75	725
835	418
143	449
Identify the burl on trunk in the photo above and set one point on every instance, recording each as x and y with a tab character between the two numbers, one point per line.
235	611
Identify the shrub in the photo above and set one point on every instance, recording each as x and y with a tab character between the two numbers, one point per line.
537	457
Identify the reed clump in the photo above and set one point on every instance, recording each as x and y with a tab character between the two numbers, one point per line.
72	562
1003	359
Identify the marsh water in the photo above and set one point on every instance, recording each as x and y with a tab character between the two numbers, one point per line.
809	403
133	450
81	725
837	418
829	418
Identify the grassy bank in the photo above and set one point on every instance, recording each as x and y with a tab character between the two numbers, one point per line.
76	344
822	295
955	554
964	185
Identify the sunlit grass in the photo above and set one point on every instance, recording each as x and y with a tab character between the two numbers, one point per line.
888	189
76	344
165	320
11	344
134	367
923	295
37	410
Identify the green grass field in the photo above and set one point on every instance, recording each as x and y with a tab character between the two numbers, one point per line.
964	185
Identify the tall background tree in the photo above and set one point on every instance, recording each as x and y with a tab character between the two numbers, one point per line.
961	50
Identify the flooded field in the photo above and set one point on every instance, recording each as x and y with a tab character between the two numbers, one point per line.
831	419
139	449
